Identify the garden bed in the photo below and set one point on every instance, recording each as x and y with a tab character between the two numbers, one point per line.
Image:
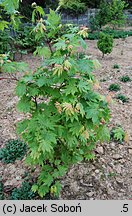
109	176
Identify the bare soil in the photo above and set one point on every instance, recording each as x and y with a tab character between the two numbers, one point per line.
109	176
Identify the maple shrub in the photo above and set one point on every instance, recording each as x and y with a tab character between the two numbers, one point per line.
65	114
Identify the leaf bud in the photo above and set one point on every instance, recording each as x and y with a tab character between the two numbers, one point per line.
34	4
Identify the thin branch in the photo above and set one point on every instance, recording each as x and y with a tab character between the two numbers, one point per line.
35	100
14	77
6	78
49	45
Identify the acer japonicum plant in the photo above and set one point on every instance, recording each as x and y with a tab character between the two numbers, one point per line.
105	43
65	115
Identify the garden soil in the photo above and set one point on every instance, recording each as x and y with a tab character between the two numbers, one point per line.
107	177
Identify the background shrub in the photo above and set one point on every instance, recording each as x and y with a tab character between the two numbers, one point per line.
103	16
75	7
94	24
117	17
111	12
105	43
4	42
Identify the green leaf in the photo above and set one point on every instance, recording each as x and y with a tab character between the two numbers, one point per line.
72	141
85	66
55	173
3	25
24	105
60	130
37	10
60	44
62	170
57	162
48	180
45	146
55	60
43	174
57	185
22	126
10	6
53	18
43	190
92	112
40	10
33	16
103	134
78	158
20	89
12	67
33	91
89	156
71	88
43	51
75	128
83	43
42	81
27	78
83	86
34	188
119	134
82	112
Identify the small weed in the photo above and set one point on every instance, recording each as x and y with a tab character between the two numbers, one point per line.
14	150
118	134
125	79
81	55
116	66
110	174
122	97
103	80
114	87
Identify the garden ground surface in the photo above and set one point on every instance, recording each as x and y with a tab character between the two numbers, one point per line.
109	176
